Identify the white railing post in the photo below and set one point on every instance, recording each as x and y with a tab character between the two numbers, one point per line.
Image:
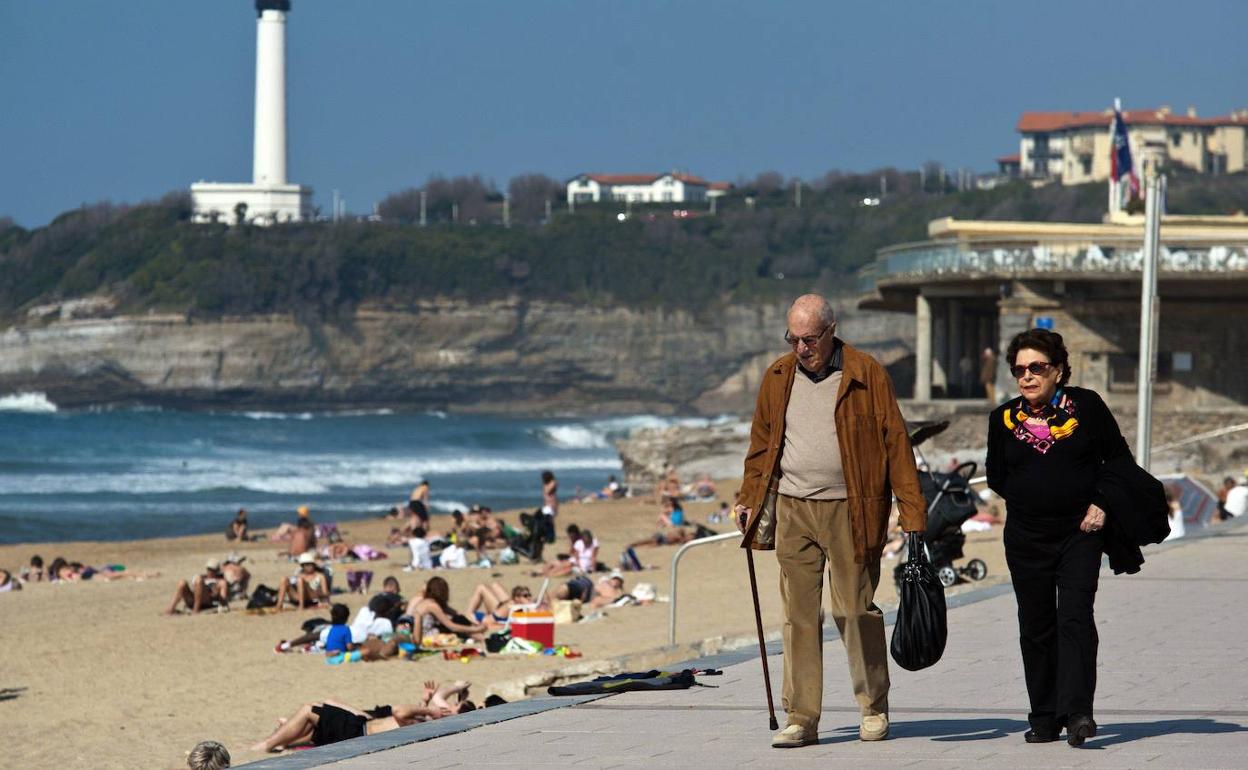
671	612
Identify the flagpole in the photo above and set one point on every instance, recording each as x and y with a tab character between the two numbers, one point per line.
1115	185
1146	371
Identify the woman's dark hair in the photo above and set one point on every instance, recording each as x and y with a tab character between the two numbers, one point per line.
36	561
573	531
339	613
1042	341
547	477
54	569
440	592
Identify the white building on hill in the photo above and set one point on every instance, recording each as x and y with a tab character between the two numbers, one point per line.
674	187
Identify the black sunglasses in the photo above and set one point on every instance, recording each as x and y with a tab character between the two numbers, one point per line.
1038	368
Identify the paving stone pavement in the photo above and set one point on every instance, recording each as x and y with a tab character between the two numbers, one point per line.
1172	692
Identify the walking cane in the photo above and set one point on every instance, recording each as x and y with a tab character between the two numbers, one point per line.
762	646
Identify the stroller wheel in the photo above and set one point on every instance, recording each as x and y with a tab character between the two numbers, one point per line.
947	575
977	569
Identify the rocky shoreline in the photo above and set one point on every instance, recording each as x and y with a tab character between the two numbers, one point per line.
718	449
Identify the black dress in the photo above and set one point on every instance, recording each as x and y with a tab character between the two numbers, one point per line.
1046	470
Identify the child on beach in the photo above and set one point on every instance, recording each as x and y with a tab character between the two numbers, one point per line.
338	638
422	557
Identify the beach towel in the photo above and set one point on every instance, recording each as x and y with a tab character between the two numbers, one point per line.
629	682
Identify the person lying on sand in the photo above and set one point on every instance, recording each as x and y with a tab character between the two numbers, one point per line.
667	536
492	600
306	588
607	590
386	646
8	582
330	721
560	567
206	590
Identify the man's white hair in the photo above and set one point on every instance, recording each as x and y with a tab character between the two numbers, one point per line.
813	303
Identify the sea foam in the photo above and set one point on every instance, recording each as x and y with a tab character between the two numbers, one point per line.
32	403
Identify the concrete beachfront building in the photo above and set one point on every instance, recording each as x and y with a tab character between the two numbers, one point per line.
1074	147
974	285
268	198
674	187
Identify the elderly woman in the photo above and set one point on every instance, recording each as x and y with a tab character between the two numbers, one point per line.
1045	453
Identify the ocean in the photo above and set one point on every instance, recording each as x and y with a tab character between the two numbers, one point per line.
122	474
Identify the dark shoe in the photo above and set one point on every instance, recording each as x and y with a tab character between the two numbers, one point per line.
1080	728
1037	736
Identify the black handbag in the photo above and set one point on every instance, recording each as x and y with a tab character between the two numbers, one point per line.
921	629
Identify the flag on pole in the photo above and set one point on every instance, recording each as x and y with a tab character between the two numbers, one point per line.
1120	163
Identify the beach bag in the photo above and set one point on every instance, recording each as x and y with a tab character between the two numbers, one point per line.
496	641
567	611
263	596
921	629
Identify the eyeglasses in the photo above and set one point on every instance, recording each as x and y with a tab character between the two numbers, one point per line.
809	342
1038	368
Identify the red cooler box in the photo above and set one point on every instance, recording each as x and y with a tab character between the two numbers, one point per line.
534	625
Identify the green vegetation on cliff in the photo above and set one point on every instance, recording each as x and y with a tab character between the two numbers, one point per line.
150	257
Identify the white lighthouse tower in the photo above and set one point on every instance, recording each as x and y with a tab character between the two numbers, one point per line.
268	199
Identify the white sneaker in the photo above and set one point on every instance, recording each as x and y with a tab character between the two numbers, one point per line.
794	736
874	727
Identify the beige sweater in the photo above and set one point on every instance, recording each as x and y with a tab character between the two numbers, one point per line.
810	466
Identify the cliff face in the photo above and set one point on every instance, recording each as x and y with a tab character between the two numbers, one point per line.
502	357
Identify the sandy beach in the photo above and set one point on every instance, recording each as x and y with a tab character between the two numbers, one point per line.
96	676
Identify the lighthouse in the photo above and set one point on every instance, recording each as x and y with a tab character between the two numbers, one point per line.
269	199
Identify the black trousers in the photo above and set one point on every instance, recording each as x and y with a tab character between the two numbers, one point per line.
1055	578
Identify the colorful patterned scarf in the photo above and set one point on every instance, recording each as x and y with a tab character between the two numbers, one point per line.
1040	427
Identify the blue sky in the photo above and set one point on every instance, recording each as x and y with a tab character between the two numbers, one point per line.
124	101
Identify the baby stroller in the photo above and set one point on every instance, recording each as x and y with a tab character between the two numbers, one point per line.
950	502
538	531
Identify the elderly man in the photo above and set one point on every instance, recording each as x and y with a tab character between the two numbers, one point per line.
827	447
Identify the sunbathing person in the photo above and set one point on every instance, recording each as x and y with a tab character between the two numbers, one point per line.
608	590
385	646
433	613
237	529
585	553
579	588
202	591
562	566
668	536
34	573
491	600
330	722
306	588
8	582
673	514
237	578
302	540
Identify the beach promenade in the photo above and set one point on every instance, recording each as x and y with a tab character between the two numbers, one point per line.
1172	692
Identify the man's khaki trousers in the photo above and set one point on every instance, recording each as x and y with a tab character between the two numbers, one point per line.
812	534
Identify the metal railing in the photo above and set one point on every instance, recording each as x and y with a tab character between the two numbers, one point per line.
1055	255
671	611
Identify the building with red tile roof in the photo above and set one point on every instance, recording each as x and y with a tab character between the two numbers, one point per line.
1074	147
